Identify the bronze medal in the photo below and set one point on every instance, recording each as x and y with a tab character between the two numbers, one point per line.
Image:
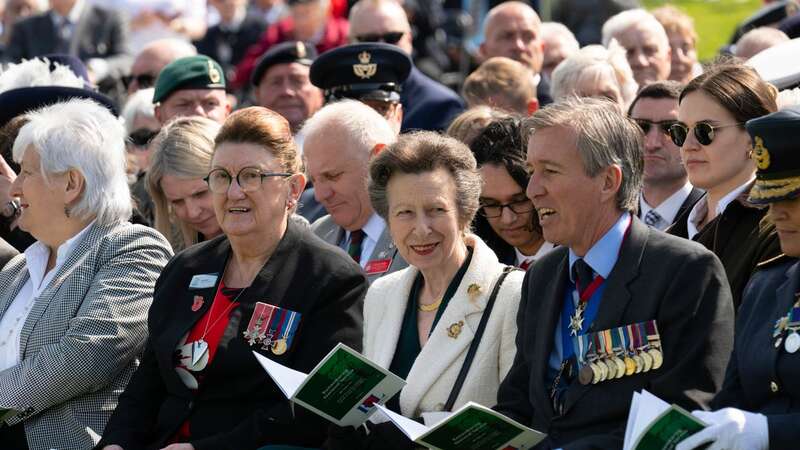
585	375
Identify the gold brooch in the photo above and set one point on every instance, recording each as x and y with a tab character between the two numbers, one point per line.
455	329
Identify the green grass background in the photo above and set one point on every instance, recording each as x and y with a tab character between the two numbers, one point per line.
714	20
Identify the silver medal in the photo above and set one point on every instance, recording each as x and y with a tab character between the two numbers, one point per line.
792	342
778	342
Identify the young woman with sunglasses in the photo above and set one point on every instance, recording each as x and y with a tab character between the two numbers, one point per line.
716	150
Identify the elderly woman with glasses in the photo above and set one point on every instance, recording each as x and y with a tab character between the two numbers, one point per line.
73	308
716	150
267	284
420	322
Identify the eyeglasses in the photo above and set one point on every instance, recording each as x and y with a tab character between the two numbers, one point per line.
663	125
392	37
141	138
144	80
249	179
496	210
703	131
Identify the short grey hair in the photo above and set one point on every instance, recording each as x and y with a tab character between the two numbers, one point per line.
620	22
757	40
138	104
604	137
82	135
423	152
362	124
557	31
594	60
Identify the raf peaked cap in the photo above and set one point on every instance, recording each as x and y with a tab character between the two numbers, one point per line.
284	53
191	72
777	155
370	71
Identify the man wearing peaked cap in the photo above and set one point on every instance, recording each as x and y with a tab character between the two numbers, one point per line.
372	73
281	82
191	86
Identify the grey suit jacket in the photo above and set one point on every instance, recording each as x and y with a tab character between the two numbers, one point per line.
99	33
80	342
333	234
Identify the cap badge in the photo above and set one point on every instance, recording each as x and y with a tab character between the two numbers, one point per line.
300	48
365	69
760	154
213	73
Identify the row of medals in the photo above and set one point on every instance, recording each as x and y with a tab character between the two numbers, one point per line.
604	367
276	346
786	330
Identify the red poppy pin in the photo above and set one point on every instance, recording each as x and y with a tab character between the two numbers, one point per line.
197	303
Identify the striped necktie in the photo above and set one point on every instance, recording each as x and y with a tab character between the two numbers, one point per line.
652	218
354	248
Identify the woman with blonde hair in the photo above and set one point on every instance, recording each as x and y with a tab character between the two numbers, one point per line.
181	199
596	72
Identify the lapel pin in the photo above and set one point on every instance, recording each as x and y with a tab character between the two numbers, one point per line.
474	289
455	329
197	303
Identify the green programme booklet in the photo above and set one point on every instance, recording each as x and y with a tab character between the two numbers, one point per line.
343	387
653	424
471	427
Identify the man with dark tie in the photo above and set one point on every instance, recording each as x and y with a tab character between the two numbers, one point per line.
340	140
618	307
666	191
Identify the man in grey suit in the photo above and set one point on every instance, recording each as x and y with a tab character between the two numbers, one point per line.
618	307
340	139
98	36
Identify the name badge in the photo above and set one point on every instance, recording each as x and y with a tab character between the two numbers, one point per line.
377	266
203	281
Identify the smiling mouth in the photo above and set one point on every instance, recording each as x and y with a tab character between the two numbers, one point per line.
545	212
238	210
424	249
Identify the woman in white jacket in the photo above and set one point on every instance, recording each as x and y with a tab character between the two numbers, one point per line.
421	321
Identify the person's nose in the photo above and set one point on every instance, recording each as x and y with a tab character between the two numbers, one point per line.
422	225
653	139
322	191
535	188
235	191
507	215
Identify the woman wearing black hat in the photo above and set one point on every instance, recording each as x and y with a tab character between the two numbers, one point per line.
715	149
760	398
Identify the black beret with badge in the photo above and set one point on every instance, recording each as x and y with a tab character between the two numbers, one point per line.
191	72
284	53
369	71
777	156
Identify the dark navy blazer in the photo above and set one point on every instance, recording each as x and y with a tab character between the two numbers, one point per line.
428	104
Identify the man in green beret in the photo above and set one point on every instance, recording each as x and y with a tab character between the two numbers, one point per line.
191	86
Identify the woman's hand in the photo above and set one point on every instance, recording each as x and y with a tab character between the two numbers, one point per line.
178	447
729	429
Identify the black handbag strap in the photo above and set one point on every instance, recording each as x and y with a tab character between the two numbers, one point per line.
476	340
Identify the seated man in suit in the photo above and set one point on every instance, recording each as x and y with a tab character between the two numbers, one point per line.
618	307
427	104
514	30
340	140
96	35
666	191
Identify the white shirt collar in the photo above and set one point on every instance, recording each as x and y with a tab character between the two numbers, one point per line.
74	13
668	209
372	229
544	248
37	254
700	208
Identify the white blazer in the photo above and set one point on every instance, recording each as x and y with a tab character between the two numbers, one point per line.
436	368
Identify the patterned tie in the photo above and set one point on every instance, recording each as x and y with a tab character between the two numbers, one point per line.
354	249
652	218
525	264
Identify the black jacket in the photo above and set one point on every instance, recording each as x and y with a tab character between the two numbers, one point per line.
238	406
678	283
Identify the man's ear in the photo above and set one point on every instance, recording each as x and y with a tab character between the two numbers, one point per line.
612	180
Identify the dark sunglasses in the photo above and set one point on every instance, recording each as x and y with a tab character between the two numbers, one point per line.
663	125
141	137
144	80
392	37
703	131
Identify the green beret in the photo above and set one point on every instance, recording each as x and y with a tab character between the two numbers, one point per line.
777	156
191	72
